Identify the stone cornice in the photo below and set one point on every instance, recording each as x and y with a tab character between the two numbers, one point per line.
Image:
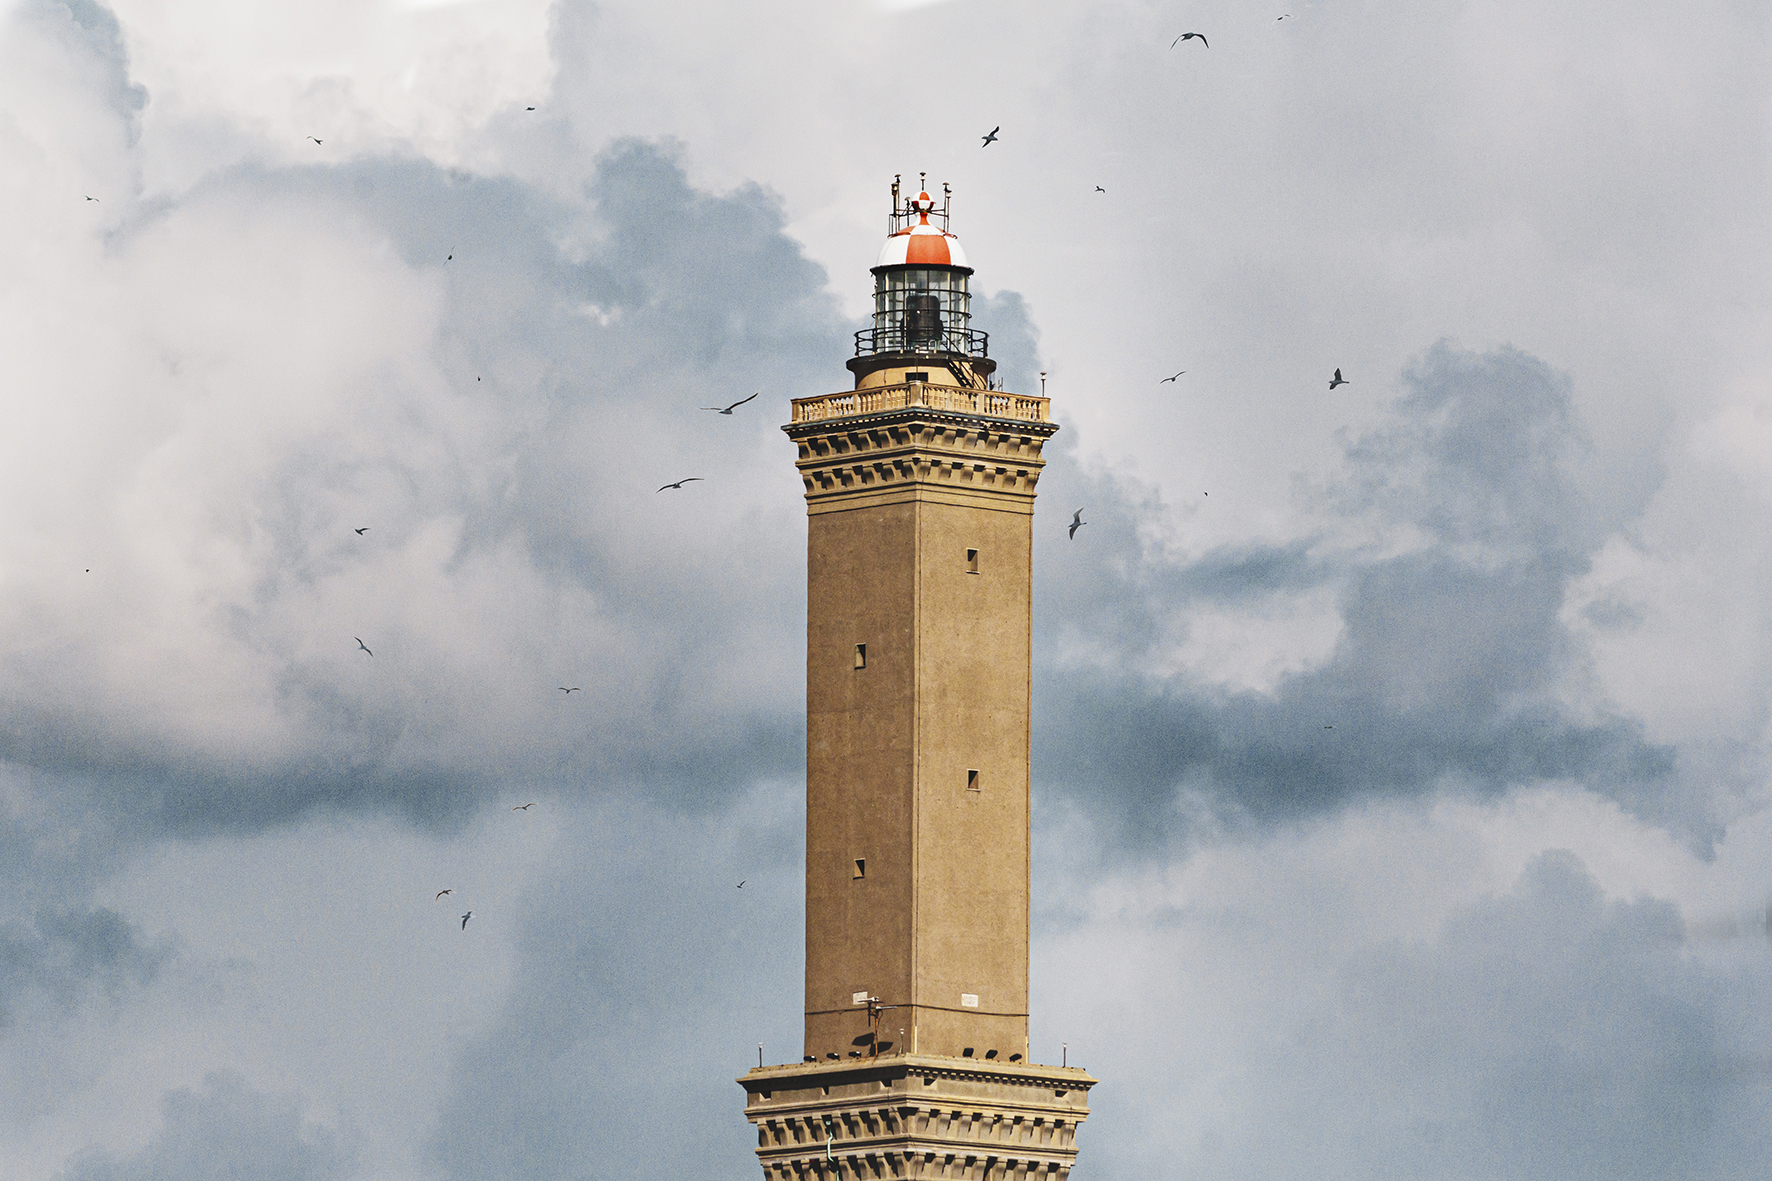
912	451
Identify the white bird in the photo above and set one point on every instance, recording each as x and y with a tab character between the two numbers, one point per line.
362	645
731	408
315	140
1338	380
1077	522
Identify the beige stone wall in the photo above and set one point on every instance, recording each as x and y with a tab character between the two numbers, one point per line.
937	924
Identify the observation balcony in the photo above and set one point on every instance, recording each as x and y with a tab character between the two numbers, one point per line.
952	398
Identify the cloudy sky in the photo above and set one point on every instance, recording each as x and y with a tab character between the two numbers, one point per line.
1401	752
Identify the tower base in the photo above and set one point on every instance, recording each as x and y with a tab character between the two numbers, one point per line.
913	1116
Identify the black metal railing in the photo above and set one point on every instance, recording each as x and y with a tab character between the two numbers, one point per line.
968	342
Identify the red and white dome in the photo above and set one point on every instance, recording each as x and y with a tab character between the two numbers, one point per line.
921	244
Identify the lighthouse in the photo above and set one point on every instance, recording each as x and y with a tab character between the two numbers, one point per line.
920	498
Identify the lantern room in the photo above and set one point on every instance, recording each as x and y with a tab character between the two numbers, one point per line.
922	305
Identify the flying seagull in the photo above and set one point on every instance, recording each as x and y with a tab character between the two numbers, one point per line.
1099	189
529	108
362	645
315	140
1077	522
989	139
362	531
95	199
1338	379
465	918
564	689
524	807
1190	37
451	257
1171	378
679	484
741	884
732	407
440	893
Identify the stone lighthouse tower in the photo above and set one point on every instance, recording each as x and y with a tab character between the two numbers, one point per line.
920	500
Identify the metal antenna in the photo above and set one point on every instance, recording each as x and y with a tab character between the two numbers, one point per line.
1042	383
947	195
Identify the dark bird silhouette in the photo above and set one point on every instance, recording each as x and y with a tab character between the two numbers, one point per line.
465	918
95	199
315	140
1099	189
362	531
1171	378
731	408
529	108
564	689
992	137
1328	727
451	257
362	645
741	884
524	807
440	893
679	484
1283	16
1190	37
1077	522
1338	380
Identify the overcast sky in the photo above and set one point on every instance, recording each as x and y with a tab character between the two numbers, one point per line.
1401	751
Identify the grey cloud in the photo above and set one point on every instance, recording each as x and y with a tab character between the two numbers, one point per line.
225	1132
1547	1032
646	979
65	954
1453	662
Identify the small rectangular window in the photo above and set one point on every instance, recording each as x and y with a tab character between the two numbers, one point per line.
972	561
861	869
916	377
972	780
861	656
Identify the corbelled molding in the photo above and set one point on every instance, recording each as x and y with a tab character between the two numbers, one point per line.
914	1117
920	451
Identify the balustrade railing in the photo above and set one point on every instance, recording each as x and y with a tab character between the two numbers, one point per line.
987	403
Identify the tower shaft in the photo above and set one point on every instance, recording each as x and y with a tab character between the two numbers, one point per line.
919	568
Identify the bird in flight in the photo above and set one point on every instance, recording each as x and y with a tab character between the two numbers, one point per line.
315	140
679	484
524	807
465	918
1171	378
1190	37
529	108
1099	189
1077	522
451	257
1338	379
731	408
741	884
1282	16
95	199
991	138
362	531
440	893
362	645
564	689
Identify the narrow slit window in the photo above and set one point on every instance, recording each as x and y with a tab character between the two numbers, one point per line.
916	377
861	869
861	656
972	780
972	561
